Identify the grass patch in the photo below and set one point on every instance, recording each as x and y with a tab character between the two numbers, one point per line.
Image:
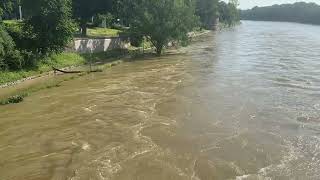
60	61
11	22
45	65
9	76
14	25
103	32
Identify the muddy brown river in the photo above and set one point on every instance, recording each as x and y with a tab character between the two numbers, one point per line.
241	104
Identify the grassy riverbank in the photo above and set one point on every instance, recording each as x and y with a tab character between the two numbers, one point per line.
59	61
17	94
66	60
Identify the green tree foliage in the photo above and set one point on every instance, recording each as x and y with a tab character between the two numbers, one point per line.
100	18
9	8
162	21
15	30
84	10
48	25
228	12
10	58
299	12
234	2
210	10
122	9
207	10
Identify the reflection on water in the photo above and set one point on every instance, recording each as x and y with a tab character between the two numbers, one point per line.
238	104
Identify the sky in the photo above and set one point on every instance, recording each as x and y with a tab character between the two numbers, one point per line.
247	4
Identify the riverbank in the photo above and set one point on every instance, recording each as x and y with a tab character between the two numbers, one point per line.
63	60
20	84
16	91
17	85
70	60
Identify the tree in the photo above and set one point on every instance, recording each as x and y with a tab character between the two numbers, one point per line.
10	58
9	8
298	12
163	21
228	13
207	10
48	24
83	10
234	2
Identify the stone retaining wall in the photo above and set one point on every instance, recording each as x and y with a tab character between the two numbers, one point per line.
87	45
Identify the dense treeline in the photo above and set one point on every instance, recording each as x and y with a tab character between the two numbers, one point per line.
9	8
49	25
300	12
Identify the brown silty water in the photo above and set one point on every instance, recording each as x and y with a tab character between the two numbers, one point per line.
242	103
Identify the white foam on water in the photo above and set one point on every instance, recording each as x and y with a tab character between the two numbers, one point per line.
317	107
243	177
302	156
47	155
99	121
252	176
89	109
194	176
283	165
86	146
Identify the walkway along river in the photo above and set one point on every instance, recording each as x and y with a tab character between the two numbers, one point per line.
243	103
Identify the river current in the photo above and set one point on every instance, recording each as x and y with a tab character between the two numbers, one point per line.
240	103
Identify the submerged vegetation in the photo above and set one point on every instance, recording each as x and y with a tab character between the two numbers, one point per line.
13	99
300	12
19	95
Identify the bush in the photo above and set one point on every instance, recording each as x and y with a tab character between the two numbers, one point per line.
23	42
10	58
19	36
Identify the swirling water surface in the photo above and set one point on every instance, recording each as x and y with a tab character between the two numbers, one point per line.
242	103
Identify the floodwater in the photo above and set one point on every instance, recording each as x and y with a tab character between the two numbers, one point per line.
243	103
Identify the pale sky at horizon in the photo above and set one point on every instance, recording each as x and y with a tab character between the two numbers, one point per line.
247	4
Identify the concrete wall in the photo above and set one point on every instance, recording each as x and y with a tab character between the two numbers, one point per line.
87	45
